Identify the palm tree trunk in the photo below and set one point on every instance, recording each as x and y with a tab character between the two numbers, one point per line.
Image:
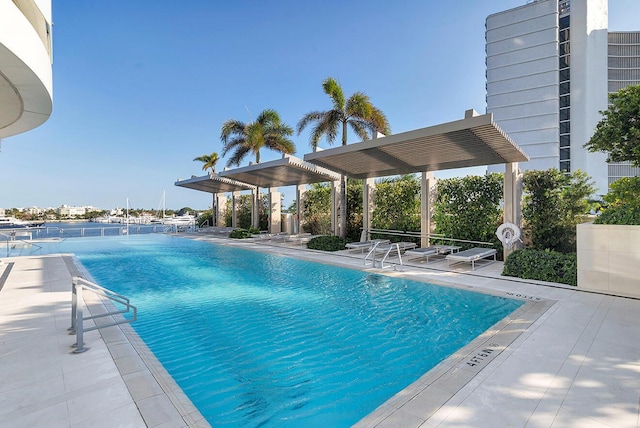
342	212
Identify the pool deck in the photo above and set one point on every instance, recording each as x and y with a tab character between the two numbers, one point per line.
565	359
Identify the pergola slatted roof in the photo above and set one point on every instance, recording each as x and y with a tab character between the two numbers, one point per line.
286	171
473	141
214	183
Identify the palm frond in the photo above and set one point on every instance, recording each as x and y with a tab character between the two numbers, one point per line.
332	88
231	127
359	106
313	116
238	155
360	127
379	121
233	143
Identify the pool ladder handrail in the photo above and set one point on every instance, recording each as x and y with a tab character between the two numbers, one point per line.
77	318
373	252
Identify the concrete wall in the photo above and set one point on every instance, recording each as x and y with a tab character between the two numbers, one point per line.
609	258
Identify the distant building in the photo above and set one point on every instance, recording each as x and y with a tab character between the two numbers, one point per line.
67	211
26	83
550	66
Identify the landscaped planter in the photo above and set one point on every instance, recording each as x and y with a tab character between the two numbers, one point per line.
609	258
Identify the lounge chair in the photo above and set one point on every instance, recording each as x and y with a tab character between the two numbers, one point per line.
402	246
365	245
432	250
472	255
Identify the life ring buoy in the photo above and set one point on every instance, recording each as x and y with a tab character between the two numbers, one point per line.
508	234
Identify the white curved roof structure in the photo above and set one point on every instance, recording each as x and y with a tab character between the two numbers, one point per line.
26	78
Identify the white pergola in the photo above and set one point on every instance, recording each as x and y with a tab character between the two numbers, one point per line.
473	141
287	171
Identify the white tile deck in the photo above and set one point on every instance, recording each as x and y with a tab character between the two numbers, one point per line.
566	359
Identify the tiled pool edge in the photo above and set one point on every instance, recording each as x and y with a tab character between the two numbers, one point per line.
447	378
159	399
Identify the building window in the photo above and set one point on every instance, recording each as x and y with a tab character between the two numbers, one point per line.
564	89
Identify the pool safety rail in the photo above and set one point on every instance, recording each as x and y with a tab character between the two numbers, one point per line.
387	248
15	238
77	319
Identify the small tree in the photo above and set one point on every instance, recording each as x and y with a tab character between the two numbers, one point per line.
397	204
553	204
317	209
354	210
243	211
618	133
623	202
469	208
208	161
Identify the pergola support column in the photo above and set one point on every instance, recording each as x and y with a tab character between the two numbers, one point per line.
427	184
367	206
299	218
335	204
512	199
221	204
255	208
235	200
275	211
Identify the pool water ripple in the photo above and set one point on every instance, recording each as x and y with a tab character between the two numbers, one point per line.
261	340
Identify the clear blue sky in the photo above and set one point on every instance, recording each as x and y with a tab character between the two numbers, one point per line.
143	87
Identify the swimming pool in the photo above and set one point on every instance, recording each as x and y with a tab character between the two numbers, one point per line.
258	339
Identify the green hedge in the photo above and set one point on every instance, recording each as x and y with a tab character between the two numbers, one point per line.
327	243
622	214
543	265
243	233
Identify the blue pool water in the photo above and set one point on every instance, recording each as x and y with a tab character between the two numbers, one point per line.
259	339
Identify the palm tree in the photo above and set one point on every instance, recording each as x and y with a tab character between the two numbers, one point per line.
356	112
208	161
266	131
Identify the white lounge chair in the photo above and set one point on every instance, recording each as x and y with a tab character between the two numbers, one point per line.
365	245
472	255
402	246
418	253
432	250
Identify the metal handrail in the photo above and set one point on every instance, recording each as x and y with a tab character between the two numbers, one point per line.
372	251
391	247
77	319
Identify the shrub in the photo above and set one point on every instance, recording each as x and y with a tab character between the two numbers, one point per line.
553	204
623	201
469	208
543	265
241	233
326	243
